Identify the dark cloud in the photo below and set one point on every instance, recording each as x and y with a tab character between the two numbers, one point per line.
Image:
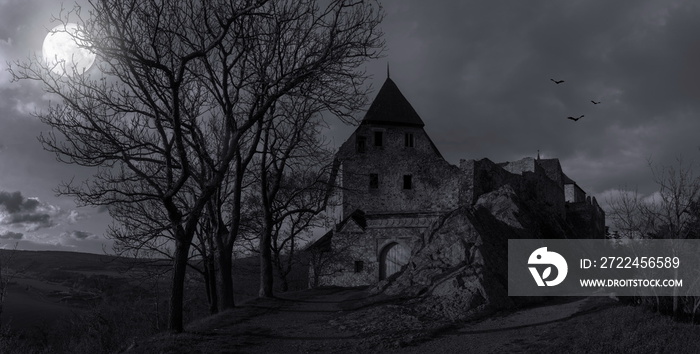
9	235
80	235
18	211
14	202
38	220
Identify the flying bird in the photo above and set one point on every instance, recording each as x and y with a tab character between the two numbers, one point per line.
557	82
575	119
594	102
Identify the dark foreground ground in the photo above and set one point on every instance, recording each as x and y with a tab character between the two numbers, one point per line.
76	303
336	320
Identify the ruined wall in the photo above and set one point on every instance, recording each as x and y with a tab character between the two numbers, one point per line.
573	193
518	167
479	177
587	218
525	176
434	181
547	192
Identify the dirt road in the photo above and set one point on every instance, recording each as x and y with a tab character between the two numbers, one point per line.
341	321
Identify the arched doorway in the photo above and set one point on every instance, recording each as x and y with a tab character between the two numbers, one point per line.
391	259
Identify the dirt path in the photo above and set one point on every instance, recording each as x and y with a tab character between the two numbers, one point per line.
331	321
518	332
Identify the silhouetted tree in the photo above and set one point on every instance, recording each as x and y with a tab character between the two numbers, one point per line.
295	177
178	88
669	213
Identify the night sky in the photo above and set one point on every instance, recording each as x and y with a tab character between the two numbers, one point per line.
477	72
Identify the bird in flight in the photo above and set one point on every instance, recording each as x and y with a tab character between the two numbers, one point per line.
594	102
575	119
557	82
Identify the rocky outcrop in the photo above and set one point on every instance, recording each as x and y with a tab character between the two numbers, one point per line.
461	264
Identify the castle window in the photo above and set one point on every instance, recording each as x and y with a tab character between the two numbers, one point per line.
359	266
407	182
361	143
378	138
408	140
373	181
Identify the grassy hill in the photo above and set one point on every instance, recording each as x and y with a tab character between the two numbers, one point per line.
46	286
50	285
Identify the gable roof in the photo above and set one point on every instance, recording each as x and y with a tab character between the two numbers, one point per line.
358	219
392	108
323	244
356	222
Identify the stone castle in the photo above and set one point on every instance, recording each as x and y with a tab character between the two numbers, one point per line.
394	184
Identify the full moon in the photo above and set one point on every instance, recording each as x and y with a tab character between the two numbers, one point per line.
62	52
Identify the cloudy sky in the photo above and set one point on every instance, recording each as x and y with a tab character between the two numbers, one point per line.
478	73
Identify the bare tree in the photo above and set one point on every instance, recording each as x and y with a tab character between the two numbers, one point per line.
295	177
170	74
317	49
669	213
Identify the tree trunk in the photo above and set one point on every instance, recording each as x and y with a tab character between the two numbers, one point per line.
285	284
265	263
225	278
675	296
177	295
211	285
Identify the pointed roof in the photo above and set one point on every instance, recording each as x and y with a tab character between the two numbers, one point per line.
392	108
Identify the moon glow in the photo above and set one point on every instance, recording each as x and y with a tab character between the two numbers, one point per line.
62	52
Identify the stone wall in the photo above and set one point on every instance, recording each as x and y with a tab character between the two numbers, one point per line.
518	167
433	180
587	218
573	193
479	177
367	247
344	273
367	250
548	193
525	176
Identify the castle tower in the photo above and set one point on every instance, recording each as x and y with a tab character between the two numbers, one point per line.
390	165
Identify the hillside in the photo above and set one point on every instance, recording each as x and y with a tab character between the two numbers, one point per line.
49	285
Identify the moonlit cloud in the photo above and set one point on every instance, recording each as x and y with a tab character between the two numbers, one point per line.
74	216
